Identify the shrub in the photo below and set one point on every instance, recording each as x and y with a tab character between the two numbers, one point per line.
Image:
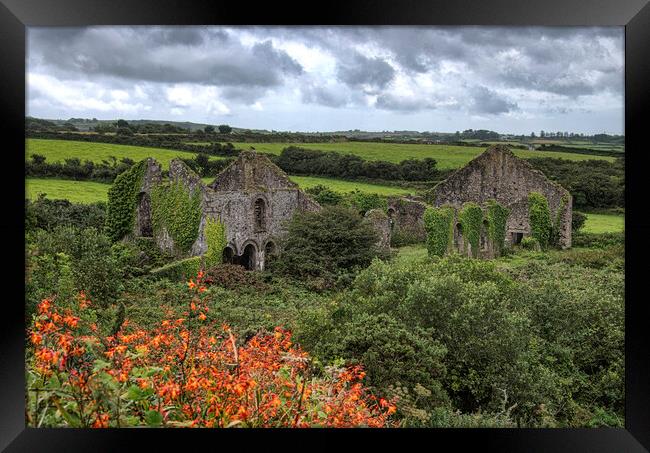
364	202
47	214
183	373
578	220
93	262
326	244
530	243
497	217
324	195
598	240
235	277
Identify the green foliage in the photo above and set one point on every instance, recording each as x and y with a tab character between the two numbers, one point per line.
178	211
85	257
530	243
471	221
390	352
497	217
598	240
180	269
557	223
215	238
47	214
324	195
326	244
439	224
577	221
539	217
123	200
364	202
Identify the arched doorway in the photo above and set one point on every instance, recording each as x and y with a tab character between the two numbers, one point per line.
248	257
228	255
145	228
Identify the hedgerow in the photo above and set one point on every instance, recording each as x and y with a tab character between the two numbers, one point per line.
123	200
439	224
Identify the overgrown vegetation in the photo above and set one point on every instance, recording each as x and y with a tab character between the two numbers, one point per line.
439	224
539	217
123	200
497	217
470	218
178	211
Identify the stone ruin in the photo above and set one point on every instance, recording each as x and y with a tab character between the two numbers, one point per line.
255	199
496	174
252	197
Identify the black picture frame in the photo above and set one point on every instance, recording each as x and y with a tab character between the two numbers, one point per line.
15	15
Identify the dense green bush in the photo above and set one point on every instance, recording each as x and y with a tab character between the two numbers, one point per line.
324	195
326	244
506	357
94	265
47	214
598	240
592	183
302	161
179	269
530	243
364	202
578	220
74	168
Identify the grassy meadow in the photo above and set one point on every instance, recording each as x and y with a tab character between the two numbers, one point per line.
74	191
447	156
604	223
59	150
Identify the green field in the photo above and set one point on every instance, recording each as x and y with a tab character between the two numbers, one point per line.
59	150
447	156
338	185
90	192
604	223
75	191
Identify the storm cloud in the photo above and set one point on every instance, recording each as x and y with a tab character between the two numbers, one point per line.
421	78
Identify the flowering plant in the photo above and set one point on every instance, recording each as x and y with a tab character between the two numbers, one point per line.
185	372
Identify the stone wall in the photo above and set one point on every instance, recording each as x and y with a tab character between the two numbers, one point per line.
381	223
407	217
498	174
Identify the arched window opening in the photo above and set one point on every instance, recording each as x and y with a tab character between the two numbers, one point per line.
259	212
228	255
144	216
248	257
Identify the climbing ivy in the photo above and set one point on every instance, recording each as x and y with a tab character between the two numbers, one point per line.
539	217
557	225
497	217
438	222
177	210
215	237
471	220
123	201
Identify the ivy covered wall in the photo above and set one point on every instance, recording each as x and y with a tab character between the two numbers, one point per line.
439	225
497	218
123	201
471	221
539	217
178	211
215	238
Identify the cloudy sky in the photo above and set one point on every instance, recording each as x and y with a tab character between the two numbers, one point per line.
508	79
